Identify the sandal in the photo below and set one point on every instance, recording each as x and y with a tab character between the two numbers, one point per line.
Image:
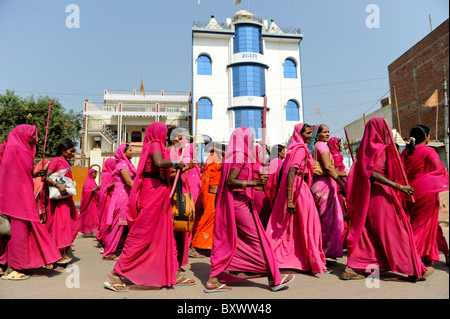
216	288
350	274
15	275
113	286
285	280
195	254
110	257
183	281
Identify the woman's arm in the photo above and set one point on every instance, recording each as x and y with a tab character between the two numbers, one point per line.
233	181
289	185
328	168
126	177
161	162
383	180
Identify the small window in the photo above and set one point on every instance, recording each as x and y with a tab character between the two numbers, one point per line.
204	65
292	111
136	136
204	109
290	69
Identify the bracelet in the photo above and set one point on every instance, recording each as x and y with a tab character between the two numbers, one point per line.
54	183
288	188
399	186
244	185
290	201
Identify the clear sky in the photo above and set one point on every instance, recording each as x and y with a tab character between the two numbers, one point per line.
343	62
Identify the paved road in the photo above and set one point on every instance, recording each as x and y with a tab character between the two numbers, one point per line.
84	280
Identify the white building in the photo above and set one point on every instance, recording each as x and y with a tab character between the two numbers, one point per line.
234	65
123	117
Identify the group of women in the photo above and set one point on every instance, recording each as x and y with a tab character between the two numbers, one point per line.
257	216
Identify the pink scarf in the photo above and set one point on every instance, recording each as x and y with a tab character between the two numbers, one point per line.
86	192
16	179
119	156
337	156
156	133
425	171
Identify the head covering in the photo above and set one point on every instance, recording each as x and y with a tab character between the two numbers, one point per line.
156	133
86	192
336	154
107	179
119	156
16	180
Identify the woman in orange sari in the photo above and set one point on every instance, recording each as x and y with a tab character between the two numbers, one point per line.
210	182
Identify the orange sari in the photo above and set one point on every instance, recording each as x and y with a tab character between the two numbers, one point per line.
211	175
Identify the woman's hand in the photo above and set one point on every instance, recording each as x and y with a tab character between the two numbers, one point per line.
290	207
61	188
408	190
39	173
262	180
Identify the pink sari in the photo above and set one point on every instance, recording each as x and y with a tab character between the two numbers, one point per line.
271	188
104	198
30	245
427	174
149	257
116	218
88	218
240	243
62	223
325	192
261	200
297	238
380	232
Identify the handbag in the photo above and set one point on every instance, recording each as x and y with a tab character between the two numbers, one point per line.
5	226
183	209
318	170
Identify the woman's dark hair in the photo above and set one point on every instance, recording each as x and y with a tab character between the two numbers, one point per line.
277	148
319	130
64	146
305	126
126	148
418	134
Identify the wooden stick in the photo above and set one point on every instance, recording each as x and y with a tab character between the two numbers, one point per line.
365	121
46	130
398	116
349	145
264	129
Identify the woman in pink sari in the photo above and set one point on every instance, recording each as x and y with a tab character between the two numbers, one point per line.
325	191
104	198
149	257
116	220
88	218
380	232
29	245
261	200
427	174
62	224
240	243
294	226
335	146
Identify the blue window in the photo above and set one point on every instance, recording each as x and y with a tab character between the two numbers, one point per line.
247	39
251	118
204	65
292	111
249	80
290	69
204	109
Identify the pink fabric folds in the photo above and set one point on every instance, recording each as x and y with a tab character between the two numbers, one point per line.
149	256
380	232
232	248
88	218
16	180
335	153
296	239
427	174
105	196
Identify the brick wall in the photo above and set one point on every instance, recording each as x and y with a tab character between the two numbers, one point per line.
414	76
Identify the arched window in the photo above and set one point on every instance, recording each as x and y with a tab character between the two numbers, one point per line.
292	111
204	109
290	69
204	65
250	118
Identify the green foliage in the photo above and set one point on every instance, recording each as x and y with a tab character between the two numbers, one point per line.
64	125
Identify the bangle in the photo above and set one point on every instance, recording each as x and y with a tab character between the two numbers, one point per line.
290	201
399	186
244	185
288	188
54	184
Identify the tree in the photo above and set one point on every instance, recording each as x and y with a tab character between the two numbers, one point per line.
63	125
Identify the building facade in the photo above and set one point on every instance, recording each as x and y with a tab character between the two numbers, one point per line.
124	116
238	63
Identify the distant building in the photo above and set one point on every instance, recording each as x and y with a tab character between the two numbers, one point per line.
124	116
413	78
234	65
